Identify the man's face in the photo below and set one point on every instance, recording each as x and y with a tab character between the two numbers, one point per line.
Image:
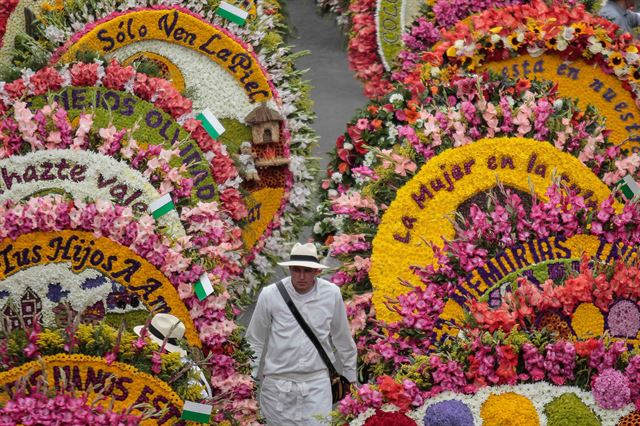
303	278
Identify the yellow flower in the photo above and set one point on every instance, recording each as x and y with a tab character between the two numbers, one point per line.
634	75
84	333
534	28
616	60
551	43
50	340
587	321
509	409
515	40
579	28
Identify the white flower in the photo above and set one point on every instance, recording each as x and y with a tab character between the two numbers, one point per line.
338	222
562	44
347	146
317	228
55	34
594	45
336	177
535	51
300	194
396	97
568	33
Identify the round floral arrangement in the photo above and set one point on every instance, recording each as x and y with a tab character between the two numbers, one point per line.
278	201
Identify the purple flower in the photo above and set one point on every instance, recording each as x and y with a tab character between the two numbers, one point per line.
611	389
624	319
448	413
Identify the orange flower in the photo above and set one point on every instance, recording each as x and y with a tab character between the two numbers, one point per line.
412	116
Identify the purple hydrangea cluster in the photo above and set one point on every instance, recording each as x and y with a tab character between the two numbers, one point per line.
624	319
611	389
448	413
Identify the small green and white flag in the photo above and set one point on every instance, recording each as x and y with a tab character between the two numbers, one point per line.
232	13
196	412
629	187
203	287
210	123
161	206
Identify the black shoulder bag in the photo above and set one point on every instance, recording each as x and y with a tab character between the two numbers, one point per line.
340	385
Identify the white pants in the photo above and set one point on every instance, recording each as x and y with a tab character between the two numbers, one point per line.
286	402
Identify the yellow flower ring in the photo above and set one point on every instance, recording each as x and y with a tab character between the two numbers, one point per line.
419	214
115	261
121	384
181	27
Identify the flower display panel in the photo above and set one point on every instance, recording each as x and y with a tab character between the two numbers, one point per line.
83	250
93	375
590	85
418	215
200	46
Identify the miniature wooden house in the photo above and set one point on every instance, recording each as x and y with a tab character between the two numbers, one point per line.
265	125
31	306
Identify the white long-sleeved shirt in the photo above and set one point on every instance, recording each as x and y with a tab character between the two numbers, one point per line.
289	350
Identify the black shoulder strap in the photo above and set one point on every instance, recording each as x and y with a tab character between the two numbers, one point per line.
306	328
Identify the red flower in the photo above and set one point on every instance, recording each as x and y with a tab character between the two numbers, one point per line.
585	348
394	392
382	418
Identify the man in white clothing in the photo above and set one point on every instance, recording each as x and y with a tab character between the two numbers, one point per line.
295	388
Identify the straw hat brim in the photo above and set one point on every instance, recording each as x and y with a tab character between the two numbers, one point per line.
168	346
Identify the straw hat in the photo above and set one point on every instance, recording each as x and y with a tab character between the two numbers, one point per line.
160	327
304	255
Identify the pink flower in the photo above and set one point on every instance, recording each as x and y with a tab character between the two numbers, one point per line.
83	74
